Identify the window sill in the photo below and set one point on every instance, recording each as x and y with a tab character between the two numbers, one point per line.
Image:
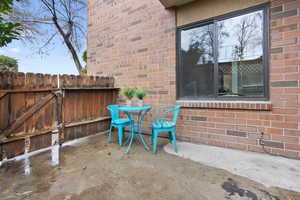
241	105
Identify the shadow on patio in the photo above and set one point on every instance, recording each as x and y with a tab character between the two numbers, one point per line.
92	169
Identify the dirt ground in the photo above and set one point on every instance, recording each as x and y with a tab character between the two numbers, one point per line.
95	170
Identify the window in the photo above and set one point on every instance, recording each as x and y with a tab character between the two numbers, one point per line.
224	57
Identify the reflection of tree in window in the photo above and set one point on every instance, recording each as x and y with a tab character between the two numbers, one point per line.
238	58
247	33
197	60
240	72
202	40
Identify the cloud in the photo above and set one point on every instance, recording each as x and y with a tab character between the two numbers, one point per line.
1	52
15	50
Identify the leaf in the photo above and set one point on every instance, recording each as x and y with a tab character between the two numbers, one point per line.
8	30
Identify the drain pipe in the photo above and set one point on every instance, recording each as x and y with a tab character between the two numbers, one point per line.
261	142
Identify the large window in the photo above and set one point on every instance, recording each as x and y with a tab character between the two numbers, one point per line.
224	57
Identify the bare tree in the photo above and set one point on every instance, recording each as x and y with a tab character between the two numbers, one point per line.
202	40
247	31
48	19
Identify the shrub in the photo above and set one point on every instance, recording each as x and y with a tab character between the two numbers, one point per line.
141	93
129	92
8	64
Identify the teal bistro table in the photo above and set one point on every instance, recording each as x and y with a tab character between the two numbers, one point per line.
138	112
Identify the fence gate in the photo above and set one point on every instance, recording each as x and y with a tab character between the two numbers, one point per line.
35	106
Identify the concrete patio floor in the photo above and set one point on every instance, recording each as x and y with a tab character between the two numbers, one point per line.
269	170
94	170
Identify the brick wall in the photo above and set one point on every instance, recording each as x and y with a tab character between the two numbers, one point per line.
135	42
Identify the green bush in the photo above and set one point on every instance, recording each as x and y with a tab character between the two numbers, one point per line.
141	93
129	92
84	56
8	64
83	71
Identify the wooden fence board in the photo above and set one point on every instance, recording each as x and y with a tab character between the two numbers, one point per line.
18	81
40	141
92	105
29	102
3	94
17	108
6	80
4	114
30	81
20	120
12	149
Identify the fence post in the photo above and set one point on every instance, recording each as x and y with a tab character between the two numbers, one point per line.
59	117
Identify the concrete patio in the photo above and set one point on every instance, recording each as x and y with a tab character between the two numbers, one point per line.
91	169
269	170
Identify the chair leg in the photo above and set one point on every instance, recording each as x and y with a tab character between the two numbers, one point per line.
152	136
110	132
170	137
120	134
155	133
174	141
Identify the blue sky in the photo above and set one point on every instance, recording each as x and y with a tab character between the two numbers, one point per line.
57	61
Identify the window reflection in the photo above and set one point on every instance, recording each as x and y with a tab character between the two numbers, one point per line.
240	55
223	58
197	62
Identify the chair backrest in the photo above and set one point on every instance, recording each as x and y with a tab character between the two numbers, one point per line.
114	111
176	113
168	109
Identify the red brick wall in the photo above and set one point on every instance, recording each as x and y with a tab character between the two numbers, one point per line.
134	41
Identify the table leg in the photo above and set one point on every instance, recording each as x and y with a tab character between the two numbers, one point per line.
131	137
140	120
141	116
144	143
127	140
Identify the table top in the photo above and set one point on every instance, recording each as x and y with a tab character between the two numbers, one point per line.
134	108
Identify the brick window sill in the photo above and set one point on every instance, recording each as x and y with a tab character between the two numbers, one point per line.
241	105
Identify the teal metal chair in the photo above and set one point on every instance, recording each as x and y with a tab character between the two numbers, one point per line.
160	125
117	122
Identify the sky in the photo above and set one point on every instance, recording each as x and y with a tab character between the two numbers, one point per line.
57	61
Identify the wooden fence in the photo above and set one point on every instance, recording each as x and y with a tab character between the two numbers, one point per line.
35	106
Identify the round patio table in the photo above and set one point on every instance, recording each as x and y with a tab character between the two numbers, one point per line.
136	126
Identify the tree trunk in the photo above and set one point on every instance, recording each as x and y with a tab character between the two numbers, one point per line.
74	55
69	45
